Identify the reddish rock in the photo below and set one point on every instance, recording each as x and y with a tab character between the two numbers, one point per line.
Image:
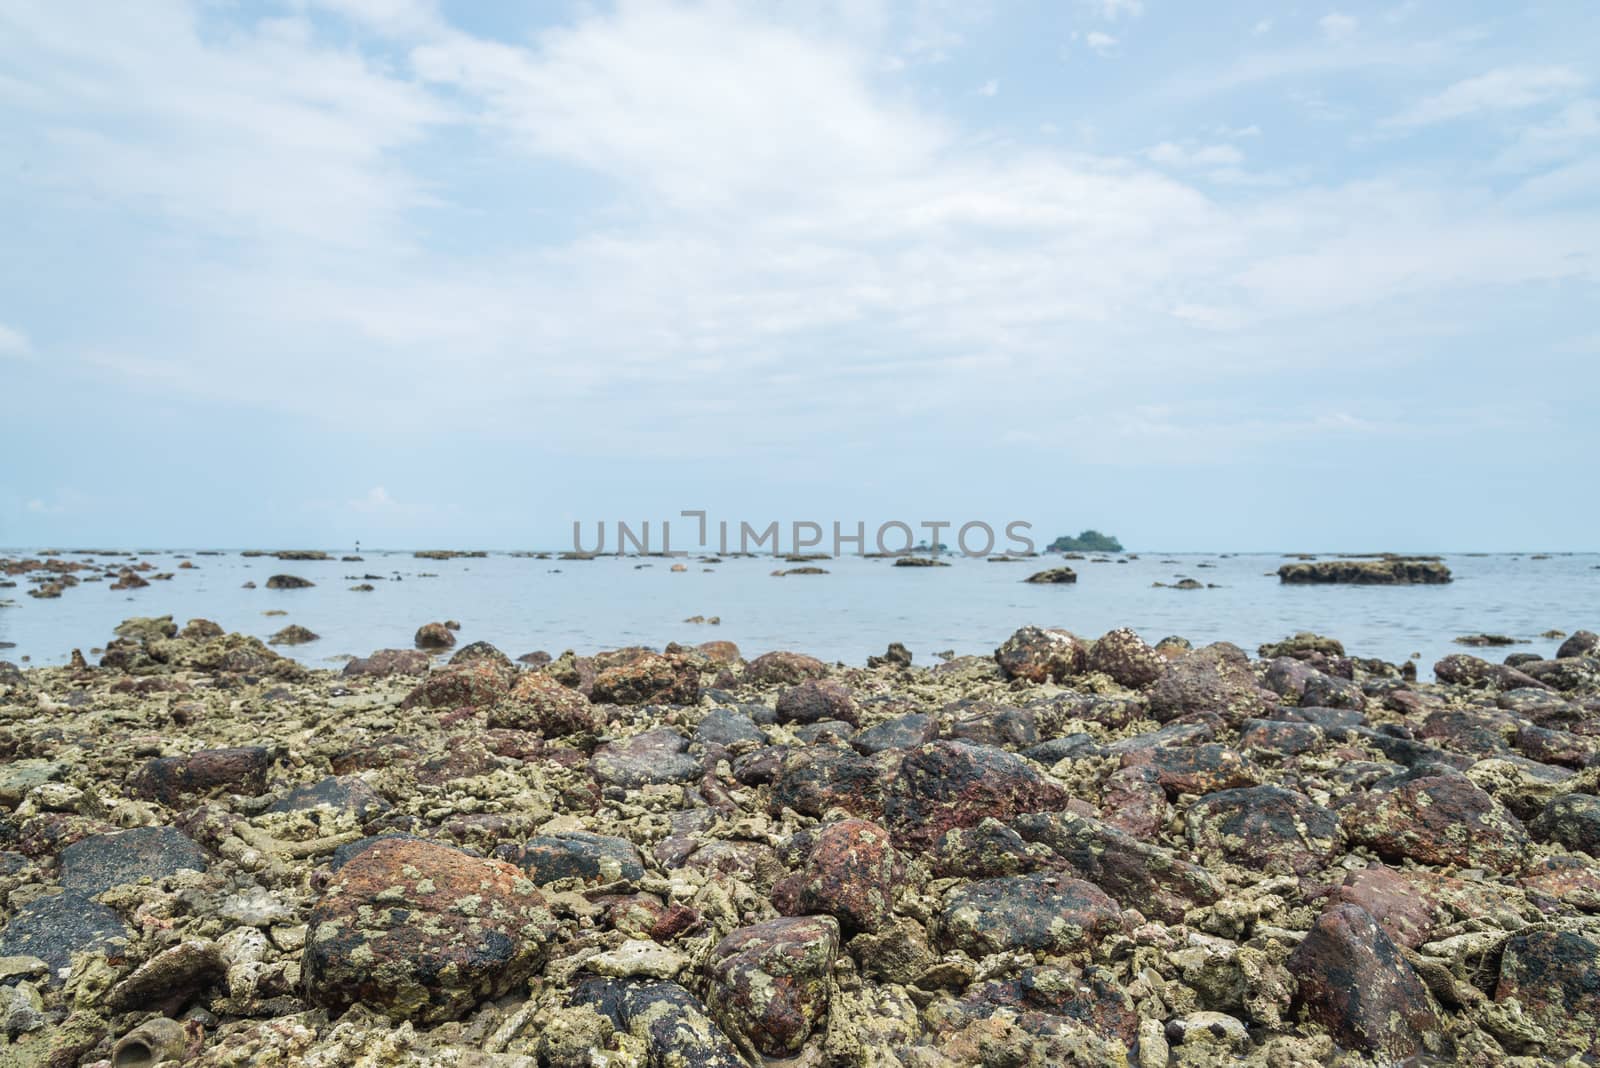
850	874
816	700
1045	999
540	704
656	756
1436	819
1273	739
783	669
1126	657
650	679
240	770
719	652
771	982
1570	880
955	784
1555	975
423	932
1133	800
473	685
813	779
1459	669
386	662
1401	908
1355	982
1216	679
1196	769
434	636
1039	655
1563	748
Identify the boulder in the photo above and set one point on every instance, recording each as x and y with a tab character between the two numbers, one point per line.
770	983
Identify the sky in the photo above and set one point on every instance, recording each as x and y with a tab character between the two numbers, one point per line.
1235	275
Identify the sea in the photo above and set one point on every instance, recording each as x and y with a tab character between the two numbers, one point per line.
523	603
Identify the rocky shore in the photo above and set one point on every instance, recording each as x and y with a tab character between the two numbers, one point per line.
1071	851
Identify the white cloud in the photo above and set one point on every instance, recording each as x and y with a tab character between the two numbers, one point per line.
989	88
1100	42
1261	28
376	499
1338	27
14	343
1574	129
1115	9
1171	154
1502	90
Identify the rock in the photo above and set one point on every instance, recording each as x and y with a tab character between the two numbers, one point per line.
1459	669
1555	975
1215	678
178	970
638	958
340	793
385	662
18	778
423	932
288	582
902	732
1074	746
652	757
1039	655
727	728
540	704
851	874
770	983
673	1025
95	864
483	652
783	668
1573	821
816	700
1436	819
1126	657
293	634
1568	674
241	769
986	851
1042	911
1263	738
650	679
1392	900
1395	571
897	656
1153	879
1581	643
53	928
1195	769
1303	645
1265	828
476	684
592	859
956	784
434	636
1050	1000
199	630
1055	576
1354	981
813	779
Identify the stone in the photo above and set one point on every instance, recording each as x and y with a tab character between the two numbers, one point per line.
672	1024
95	864
386	662
1391	899
783	668
293	634
1127	658
896	656
727	728
649	679
55	927
956	784
1573	821
988	723
540	704
1355	982
485	652
475	684
591	859
1264	828
288	582
423	932
240	769
1579	643
656	756
1555	976
813	779
905	731
1459	669
1215	678
1385	571
1046	912
434	636
638	958
1196	769
1038	655
770	983
1055	576
816	700
851	873
1436	819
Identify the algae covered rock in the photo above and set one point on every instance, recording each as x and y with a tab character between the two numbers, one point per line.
770	983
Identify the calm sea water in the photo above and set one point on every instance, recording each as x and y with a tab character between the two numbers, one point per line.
523	604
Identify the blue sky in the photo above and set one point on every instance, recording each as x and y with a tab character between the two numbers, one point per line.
1211	276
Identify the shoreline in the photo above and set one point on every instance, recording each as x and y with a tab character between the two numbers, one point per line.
1089	849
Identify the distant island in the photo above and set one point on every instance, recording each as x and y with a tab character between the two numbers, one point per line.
1090	541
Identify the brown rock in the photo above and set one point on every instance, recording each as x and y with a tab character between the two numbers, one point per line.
771	983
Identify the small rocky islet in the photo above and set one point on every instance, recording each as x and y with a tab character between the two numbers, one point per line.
1073	851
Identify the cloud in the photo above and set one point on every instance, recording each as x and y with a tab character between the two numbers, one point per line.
1102	43
1115	9
1504	89
989	88
14	343
1168	153
376	499
1338	27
